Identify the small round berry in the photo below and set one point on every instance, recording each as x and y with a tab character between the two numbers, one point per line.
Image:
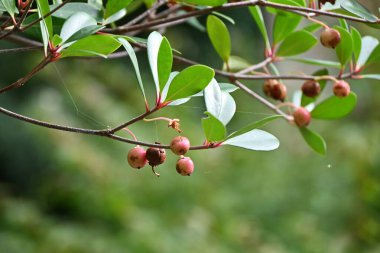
180	145
185	166
137	157
302	117
311	88
341	89
155	156
330	38
278	92
267	87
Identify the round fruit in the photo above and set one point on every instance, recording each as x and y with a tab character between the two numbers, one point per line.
268	86
155	156
137	157
302	117
180	145
185	166
278	92
341	88
330	38
311	88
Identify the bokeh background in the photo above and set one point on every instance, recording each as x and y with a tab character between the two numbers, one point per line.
68	193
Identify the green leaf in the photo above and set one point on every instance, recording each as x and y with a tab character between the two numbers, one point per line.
84	32
70	9
284	24
317	62
221	15
359	10
94	45
254	140
314	140
46	23
368	46
115	17
10	6
375	56
236	64
214	129
228	87
344	48
219	103
189	81
356	42
335	107
297	43
114	6
374	76
253	126
153	46
258	17
132	56
204	2
75	23
164	62
219	36
56	40
343	23
308	100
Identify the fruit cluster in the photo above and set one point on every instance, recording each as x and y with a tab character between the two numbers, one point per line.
138	157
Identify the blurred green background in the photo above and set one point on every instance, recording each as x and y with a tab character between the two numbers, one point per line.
68	193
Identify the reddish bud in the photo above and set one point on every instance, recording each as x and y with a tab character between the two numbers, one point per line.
341	89
180	145
330	38
137	157
155	156
311	88
302	117
185	166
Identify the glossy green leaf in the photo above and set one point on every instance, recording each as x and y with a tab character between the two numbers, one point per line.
214	129
76	23
94	45
236	63
356	8
56	40
254	140
308	100
375	56
9	6
373	76
164	62
153	46
368	46
189	82
228	87
344	48
284	24
84	32
204	2
115	17
335	107
356	42
258	17
316	62
219	36
254	125
225	17
314	140
297	43
132	56
114	6
343	23
98	4
219	103
71	8
46	24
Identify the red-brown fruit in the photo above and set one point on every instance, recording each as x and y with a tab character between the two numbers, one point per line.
341	89
302	117
185	166
268	86
278	92
330	38
137	157
311	88
180	145
155	156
